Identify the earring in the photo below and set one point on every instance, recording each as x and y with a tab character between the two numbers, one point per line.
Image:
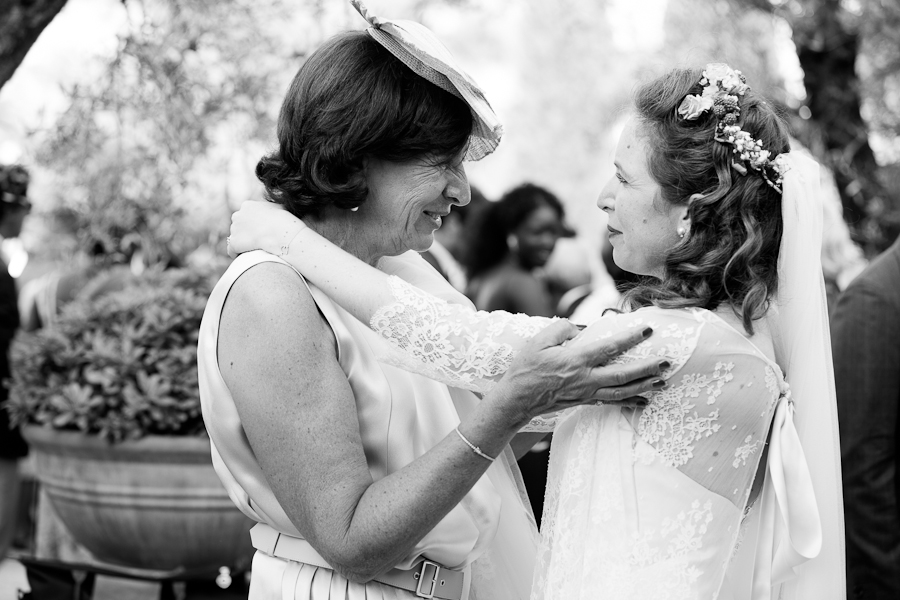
681	231
512	242
354	209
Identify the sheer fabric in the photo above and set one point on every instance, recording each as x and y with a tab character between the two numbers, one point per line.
798	322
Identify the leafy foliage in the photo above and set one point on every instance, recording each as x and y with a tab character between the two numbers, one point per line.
120	366
849	55
140	159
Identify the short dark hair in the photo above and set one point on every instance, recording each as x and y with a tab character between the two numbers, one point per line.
731	254
487	237
350	100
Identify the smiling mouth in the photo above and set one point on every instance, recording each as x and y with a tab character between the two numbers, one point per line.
435	216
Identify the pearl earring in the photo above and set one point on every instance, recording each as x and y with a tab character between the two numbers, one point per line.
681	231
354	209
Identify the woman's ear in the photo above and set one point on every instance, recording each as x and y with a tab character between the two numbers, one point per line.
685	217
681	216
681	220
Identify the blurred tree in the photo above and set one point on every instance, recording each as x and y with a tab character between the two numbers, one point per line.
850	53
827	36
21	22
139	149
743	38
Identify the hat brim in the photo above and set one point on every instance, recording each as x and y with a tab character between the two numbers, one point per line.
418	48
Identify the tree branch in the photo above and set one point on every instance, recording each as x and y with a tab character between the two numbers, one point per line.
21	22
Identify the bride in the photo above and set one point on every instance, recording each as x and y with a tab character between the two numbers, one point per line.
726	485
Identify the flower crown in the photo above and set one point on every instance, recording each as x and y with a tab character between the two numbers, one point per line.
721	87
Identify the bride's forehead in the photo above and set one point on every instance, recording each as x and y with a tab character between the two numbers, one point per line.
631	151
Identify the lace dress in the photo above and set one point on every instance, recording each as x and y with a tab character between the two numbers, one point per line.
641	503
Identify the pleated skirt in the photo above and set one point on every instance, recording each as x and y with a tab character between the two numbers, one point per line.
278	579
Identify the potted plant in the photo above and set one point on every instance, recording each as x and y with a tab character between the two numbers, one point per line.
109	403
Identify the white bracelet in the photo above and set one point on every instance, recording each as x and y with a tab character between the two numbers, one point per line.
474	448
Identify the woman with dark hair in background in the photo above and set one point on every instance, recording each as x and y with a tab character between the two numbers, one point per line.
510	240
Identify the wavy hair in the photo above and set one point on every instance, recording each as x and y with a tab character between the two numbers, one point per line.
731	253
353	99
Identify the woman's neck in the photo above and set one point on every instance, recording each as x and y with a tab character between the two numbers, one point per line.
513	260
336	226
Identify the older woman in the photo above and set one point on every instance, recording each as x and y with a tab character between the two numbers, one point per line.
724	223
367	481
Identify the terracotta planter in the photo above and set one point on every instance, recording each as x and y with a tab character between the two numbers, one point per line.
154	503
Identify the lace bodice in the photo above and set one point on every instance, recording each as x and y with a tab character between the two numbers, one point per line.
711	420
667	486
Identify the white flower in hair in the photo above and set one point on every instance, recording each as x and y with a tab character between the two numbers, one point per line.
722	76
693	106
722	87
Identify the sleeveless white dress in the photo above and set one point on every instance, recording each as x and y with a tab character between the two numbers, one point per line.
490	535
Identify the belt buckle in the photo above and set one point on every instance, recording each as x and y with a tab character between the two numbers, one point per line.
421	577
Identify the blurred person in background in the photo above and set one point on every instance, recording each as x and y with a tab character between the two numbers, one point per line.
865	329
509	244
570	268
14	206
450	241
587	303
842	259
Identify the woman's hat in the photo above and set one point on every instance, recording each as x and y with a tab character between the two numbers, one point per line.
418	48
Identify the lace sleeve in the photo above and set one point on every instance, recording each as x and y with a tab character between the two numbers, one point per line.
448	342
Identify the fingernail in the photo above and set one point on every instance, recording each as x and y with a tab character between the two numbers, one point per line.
664	365
647	332
658	384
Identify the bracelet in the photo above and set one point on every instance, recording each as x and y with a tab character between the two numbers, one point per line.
286	248
474	448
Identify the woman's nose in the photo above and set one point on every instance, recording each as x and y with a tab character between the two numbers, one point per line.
457	190
607	199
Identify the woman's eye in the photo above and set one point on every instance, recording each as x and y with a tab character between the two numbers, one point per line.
620	178
453	166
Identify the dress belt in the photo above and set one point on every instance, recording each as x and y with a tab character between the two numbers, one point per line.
427	580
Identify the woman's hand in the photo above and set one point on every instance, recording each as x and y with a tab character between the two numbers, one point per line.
550	375
262	226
